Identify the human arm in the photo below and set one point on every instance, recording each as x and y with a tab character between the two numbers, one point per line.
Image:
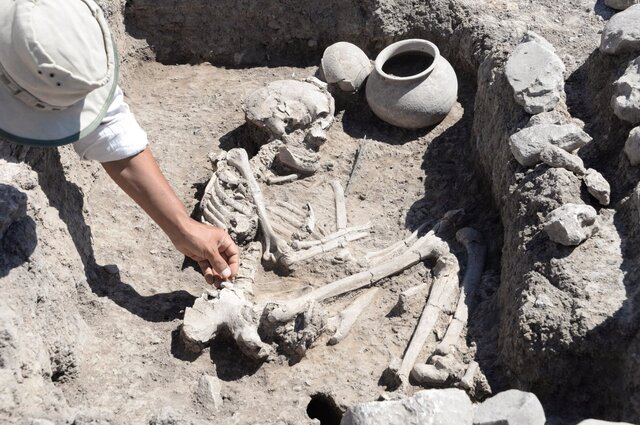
140	177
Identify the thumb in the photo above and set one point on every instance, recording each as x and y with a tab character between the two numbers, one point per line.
219	265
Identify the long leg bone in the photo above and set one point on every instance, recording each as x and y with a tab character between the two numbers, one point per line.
476	253
429	246
274	246
442	292
341	209
348	316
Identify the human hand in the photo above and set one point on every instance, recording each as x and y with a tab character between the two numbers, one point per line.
213	249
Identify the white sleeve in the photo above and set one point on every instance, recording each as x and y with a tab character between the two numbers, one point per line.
117	137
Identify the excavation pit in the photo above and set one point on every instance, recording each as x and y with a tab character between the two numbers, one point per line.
186	68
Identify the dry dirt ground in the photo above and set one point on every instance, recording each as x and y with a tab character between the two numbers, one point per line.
188	112
136	286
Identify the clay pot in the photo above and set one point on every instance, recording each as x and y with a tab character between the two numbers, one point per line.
345	65
411	85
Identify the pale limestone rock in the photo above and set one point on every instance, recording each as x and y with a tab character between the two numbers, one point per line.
626	95
208	392
512	407
556	157
598	186
622	32
632	146
346	65
528	143
429	407
571	224
549	117
536	75
620	4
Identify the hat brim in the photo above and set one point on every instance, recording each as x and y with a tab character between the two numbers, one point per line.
24	124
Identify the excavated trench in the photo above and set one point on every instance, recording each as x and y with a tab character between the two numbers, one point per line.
575	350
541	351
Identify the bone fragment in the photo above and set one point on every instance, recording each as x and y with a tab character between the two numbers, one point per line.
287	217
229	311
409	294
212	202
429	246
476	253
333	236
341	209
311	219
233	203
292	258
291	208
348	316
443	291
218	214
468	380
239	159
282	179
209	217
393	249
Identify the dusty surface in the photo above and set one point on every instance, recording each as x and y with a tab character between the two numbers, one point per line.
94	294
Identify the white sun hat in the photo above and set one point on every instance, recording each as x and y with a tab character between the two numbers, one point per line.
58	70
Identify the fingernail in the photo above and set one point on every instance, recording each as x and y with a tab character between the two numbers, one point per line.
226	272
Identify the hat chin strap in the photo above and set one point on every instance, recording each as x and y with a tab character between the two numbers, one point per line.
23	95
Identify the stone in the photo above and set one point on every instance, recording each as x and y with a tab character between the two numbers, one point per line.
598	186
599	422
167	416
93	417
13	206
626	94
536	75
208	392
632	146
622	32
512	407
550	117
571	224
345	65
620	4
40	422
533	36
556	157
428	407
527	144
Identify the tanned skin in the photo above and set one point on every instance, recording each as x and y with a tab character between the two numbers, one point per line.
140	177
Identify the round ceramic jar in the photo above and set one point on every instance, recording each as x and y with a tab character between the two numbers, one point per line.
411	85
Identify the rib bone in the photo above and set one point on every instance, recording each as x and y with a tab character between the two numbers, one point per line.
476	253
348	316
341	209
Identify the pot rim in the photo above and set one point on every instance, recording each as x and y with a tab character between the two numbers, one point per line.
409	45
